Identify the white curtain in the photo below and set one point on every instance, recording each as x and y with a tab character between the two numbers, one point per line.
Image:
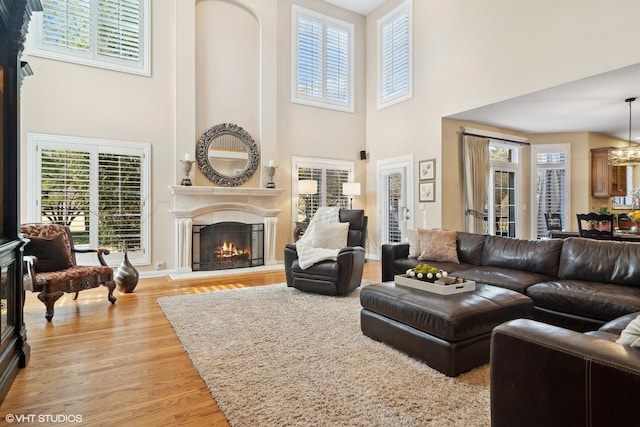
475	156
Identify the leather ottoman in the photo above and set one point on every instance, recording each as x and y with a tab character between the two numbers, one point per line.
450	333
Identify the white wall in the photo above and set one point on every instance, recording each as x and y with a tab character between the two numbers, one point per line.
469	54
68	99
189	92
466	54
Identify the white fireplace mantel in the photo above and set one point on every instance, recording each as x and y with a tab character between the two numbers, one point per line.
202	205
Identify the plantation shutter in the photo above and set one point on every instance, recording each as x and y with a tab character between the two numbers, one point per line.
334	180
120	200
551	188
98	188
66	189
395	55
322	60
337	79
66	24
309	202
310	57
330	179
118	29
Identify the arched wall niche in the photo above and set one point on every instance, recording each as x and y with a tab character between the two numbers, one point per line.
227	69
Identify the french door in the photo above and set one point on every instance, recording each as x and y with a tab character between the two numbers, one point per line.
395	198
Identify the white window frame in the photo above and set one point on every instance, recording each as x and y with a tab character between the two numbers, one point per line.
550	148
393	98
36	47
298	12
37	140
317	163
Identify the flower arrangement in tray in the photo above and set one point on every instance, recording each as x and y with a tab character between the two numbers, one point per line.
426	273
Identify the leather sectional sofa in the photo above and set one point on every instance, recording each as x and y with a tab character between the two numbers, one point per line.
575	283
543	375
546	371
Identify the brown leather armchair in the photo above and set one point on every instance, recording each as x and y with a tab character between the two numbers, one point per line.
338	277
544	375
51	268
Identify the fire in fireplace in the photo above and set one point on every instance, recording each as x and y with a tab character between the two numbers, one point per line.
227	245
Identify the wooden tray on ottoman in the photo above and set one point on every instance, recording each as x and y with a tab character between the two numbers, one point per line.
438	287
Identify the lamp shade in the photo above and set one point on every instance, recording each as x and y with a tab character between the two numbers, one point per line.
307	186
351	188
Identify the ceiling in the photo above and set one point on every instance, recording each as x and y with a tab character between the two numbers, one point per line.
594	104
363	7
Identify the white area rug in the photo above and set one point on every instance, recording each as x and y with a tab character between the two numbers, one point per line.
276	356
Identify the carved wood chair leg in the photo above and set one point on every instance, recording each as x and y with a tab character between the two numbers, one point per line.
111	285
49	300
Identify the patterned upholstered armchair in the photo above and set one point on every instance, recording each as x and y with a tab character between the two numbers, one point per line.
51	268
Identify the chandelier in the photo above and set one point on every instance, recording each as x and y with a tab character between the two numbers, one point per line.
625	156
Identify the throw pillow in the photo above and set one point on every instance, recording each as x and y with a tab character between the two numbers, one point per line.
631	334
331	235
438	245
414	243
51	253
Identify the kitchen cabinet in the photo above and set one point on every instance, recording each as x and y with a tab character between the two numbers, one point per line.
606	181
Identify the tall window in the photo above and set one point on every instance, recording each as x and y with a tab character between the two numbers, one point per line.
111	34
330	175
322	60
550	168
502	218
394	53
98	188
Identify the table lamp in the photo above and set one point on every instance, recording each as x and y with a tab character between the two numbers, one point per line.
307	187
351	189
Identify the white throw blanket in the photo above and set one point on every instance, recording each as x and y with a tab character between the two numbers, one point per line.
308	253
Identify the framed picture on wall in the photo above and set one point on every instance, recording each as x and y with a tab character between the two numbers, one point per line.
428	191
427	169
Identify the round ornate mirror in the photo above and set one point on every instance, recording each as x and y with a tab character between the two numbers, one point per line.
227	155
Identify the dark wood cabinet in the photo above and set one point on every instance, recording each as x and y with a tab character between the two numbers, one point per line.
14	350
606	181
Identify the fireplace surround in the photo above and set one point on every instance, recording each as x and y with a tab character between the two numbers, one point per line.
227	245
203	205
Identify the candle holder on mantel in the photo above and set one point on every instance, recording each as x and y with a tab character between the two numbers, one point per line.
186	167
271	171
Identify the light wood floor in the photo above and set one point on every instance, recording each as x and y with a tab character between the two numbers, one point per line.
121	364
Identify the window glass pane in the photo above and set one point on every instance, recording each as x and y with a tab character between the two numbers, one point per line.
119	201
65	190
118	32
310	57
96	187
501	154
393	185
67	24
322	60
103	33
504	194
330	179
337	64
550	188
395	55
